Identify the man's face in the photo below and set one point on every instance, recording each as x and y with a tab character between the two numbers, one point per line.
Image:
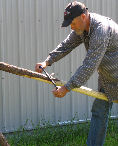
78	25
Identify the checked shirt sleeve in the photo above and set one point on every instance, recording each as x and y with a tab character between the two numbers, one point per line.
97	47
64	48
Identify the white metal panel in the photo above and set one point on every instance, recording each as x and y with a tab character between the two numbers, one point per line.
29	30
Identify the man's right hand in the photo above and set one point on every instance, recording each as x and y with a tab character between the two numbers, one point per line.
39	70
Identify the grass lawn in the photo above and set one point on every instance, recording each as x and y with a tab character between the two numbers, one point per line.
70	135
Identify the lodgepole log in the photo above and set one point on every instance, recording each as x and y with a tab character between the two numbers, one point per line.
3	141
41	77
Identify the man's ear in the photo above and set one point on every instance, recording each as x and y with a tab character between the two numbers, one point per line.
83	16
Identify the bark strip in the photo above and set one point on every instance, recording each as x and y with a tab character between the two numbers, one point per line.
23	72
3	141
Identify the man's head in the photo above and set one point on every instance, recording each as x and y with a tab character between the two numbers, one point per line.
76	15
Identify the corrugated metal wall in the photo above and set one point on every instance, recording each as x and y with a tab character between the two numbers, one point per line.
29	30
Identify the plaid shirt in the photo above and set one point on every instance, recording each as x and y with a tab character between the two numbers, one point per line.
101	43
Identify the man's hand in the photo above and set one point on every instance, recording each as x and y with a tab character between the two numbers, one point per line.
60	92
43	64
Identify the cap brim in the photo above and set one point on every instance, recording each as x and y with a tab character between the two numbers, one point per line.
66	23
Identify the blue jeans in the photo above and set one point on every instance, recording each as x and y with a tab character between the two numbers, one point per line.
99	122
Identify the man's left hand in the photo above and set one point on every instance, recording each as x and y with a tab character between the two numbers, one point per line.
60	92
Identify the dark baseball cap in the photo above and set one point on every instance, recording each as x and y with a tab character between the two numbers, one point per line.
72	11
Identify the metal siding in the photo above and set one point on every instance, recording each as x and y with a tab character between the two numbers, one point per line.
29	30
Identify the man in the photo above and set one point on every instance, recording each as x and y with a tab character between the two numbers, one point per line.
100	37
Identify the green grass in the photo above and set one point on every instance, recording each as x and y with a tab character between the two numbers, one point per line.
70	135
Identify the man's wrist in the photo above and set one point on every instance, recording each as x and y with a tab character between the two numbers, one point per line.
66	89
47	63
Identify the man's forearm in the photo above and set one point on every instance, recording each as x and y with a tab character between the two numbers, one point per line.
64	48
